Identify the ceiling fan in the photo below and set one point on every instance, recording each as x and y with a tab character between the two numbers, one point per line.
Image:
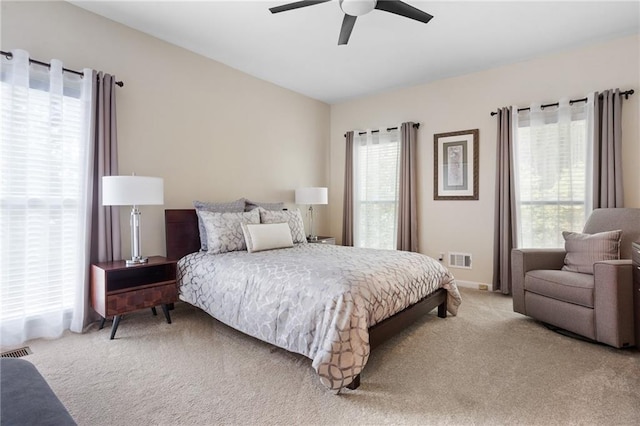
354	8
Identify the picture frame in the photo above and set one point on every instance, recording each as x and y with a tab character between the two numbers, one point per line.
456	165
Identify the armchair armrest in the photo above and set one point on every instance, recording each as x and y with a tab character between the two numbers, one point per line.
613	302
525	260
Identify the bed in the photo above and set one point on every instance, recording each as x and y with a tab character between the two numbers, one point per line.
298	298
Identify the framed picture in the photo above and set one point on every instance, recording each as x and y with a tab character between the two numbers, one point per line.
456	165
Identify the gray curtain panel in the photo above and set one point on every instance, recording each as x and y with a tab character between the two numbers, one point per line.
607	150
505	212
104	226
407	198
347	205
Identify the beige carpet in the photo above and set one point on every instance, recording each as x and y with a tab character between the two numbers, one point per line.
488	365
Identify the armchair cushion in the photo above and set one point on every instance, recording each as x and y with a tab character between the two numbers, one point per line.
569	287
583	250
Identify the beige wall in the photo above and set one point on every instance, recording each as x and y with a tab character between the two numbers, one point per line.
215	133
212	132
465	102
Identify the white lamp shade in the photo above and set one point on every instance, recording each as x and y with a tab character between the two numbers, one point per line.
132	190
312	195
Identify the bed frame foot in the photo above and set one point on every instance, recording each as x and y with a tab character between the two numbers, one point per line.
355	384
442	309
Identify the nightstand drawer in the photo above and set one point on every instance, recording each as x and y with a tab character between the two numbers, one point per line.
140	299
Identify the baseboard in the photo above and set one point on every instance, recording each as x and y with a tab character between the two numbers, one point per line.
474	285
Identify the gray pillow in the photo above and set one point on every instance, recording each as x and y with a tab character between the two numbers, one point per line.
224	230
251	205
232	206
292	217
583	250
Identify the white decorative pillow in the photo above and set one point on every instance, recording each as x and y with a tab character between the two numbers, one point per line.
232	206
266	236
292	217
224	230
583	250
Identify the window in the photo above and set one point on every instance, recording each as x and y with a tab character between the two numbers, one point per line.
43	198
553	173
376	178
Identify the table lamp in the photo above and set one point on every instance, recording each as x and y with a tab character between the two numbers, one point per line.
312	196
133	191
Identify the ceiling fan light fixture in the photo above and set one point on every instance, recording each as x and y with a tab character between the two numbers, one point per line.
354	8
357	7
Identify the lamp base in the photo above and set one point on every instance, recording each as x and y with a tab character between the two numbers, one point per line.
137	261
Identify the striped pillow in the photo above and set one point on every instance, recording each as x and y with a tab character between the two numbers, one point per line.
583	250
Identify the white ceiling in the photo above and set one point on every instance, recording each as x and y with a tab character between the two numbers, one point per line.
298	49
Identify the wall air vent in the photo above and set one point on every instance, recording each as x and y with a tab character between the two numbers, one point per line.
460	260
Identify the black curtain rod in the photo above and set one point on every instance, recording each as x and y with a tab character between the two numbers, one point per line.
9	55
415	125
571	102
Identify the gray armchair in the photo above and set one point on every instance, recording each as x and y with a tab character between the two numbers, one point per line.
598	306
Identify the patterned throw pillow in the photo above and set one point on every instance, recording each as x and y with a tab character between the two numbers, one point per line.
292	217
232	206
583	250
224	230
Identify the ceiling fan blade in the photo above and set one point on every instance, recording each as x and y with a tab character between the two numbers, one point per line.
347	26
403	9
296	5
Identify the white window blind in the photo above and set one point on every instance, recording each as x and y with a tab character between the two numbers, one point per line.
43	170
376	179
553	173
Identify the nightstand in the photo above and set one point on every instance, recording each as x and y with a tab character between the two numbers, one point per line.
635	256
323	240
117	289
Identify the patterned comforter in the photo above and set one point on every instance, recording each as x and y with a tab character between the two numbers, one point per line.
313	299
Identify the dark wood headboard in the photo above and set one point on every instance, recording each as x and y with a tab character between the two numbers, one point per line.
183	236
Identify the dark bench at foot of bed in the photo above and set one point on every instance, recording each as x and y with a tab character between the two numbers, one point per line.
26	398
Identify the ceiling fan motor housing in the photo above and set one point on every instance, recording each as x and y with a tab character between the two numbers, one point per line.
357	7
